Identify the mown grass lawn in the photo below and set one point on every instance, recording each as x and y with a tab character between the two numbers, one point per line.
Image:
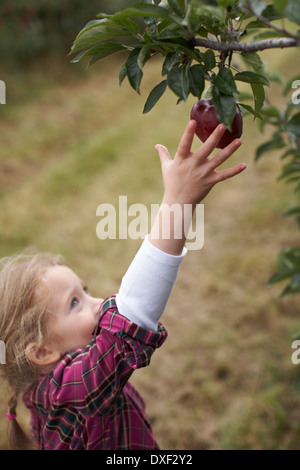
71	140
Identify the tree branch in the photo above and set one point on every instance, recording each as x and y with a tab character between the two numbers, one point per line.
268	23
247	46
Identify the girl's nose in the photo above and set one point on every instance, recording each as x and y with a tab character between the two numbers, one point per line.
97	302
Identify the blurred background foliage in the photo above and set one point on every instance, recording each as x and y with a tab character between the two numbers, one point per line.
30	28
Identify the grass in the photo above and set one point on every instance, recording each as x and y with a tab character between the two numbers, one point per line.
72	140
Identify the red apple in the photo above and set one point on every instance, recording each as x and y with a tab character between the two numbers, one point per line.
204	113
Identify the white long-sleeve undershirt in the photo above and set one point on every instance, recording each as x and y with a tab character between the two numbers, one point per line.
146	287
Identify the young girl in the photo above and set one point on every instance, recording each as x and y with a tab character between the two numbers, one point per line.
70	355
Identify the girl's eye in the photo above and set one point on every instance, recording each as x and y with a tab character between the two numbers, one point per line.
74	302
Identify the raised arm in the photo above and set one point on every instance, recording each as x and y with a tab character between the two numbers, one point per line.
148	282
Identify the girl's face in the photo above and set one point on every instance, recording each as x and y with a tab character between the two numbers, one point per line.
74	311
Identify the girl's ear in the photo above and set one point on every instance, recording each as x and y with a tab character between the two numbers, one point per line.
41	355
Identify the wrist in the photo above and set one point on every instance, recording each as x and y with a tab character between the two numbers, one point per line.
171	226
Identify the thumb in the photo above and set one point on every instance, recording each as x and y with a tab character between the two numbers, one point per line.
163	153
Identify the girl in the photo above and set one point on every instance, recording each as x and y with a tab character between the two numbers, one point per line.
70	355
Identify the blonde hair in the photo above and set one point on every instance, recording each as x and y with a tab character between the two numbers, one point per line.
23	315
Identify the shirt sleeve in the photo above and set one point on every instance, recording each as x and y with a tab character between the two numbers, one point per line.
94	378
146	287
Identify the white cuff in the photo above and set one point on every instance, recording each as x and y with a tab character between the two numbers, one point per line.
147	285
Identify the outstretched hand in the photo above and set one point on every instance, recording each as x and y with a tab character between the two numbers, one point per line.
189	177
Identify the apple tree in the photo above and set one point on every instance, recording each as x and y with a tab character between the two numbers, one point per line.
211	49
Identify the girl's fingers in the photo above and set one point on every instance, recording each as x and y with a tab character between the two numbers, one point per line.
211	143
184	148
163	153
223	155
228	173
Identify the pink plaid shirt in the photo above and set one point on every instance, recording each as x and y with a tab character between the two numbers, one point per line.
86	402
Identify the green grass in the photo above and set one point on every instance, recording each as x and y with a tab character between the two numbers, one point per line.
224	378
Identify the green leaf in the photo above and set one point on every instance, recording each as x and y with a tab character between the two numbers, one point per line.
280	5
150	21
196	80
192	53
210	18
271	13
178	44
295	282
97	33
290	258
185	81
170	60
122	73
289	290
249	108
227	3
103	15
253	60
94	24
154	96
281	275
175	33
99	52
293	169
293	211
133	71
251	77
127	24
289	152
176	8
292	11
143	56
289	263
188	13
293	287
209	59
142	9
293	125
178	81
267	35
267	146
259	96
224	81
225	107
174	81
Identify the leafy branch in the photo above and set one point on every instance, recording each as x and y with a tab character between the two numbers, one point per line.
197	43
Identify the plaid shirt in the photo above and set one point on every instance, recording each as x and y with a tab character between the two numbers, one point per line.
86	402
